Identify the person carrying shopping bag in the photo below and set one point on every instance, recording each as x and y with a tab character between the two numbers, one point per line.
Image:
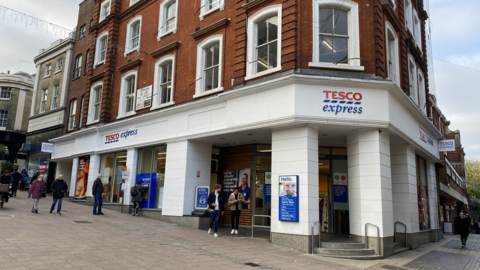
35	192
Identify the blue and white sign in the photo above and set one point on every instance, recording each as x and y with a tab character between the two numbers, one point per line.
340	189
288	199
268	187
201	197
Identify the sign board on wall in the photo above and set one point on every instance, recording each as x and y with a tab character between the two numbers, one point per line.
201	197
288	198
82	178
268	187
340	188
43	166
425	137
144	98
47	147
446	145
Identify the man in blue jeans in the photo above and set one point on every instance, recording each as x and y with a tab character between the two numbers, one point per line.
97	191
58	188
215	202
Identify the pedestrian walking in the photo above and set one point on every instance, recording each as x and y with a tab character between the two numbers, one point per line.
462	227
97	191
58	188
235	201
16	180
24	180
137	193
215	202
6	179
35	192
34	177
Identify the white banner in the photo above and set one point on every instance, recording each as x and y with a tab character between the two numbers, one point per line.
47	147
446	145
144	98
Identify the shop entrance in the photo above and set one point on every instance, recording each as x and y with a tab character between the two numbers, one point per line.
333	190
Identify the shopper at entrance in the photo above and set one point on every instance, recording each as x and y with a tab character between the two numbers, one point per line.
35	192
235	201
24	180
215	202
137	193
15	182
97	191
245	190
462	227
58	188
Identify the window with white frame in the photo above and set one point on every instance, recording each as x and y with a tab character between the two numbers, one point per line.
43	100
104	10
127	94
55	94
3	119
168	18
81	34
86	61
209	65
208	6
58	65
421	92
392	54
78	67
48	71
5	93
164	79
133	34
264	41
336	34
133	2
73	112
96	102
81	112
417	30
101	49
409	15
412	76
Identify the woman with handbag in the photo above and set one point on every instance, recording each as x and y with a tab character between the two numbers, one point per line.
37	188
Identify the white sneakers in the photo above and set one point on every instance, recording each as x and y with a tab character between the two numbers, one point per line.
233	232
216	235
209	231
236	232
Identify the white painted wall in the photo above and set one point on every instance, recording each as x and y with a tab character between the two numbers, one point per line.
51	119
295	152
73	177
20	107
432	195
93	172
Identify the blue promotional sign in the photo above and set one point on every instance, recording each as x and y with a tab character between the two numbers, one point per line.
201	197
288	198
148	182
268	193
340	190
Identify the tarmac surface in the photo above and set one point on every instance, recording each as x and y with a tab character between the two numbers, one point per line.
80	240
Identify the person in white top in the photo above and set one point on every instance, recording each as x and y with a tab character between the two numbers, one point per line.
216	203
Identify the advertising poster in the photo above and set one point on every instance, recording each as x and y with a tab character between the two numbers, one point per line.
201	197
144	98
288	198
43	166
340	189
82	178
240	178
268	187
446	145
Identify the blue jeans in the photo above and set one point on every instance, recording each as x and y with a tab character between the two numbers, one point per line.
98	202
214	216
59	208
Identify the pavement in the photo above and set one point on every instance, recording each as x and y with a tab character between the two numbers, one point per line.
80	240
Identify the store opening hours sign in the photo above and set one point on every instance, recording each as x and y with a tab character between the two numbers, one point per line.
288	198
340	188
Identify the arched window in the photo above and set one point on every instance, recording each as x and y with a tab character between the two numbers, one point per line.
164	81
127	94
209	66
209	6
78	66
95	102
421	92
133	35
72	113
101	49
104	10
412	76
168	18
393	66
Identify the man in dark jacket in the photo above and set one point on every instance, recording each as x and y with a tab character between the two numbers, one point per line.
215	201
97	191
34	177
6	179
58	188
15	182
137	193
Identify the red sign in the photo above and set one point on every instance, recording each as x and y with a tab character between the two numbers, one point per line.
198	174
43	166
449	202
343	95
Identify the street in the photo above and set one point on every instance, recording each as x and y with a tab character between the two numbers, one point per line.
79	240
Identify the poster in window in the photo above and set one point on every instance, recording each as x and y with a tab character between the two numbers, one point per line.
144	98
82	178
237	178
288	199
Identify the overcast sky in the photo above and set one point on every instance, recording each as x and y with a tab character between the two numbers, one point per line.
455	38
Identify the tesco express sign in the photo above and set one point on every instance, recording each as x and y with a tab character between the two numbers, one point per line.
342	102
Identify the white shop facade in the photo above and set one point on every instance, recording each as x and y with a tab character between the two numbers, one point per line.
361	150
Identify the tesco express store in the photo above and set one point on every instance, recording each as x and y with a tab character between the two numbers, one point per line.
352	151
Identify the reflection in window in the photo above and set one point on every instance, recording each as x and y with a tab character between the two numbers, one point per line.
267	43
130	94
211	70
333	36
422	192
166	82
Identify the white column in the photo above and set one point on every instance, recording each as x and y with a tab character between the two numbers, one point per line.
93	171
404	185
295	152
20	109
132	158
184	159
370	183
432	195
73	179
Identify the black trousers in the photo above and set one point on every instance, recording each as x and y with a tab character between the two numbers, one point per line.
22	186
464	237
14	188
235	214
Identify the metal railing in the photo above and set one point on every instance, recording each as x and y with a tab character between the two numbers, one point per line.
319	236
395	231
261	226
378	236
